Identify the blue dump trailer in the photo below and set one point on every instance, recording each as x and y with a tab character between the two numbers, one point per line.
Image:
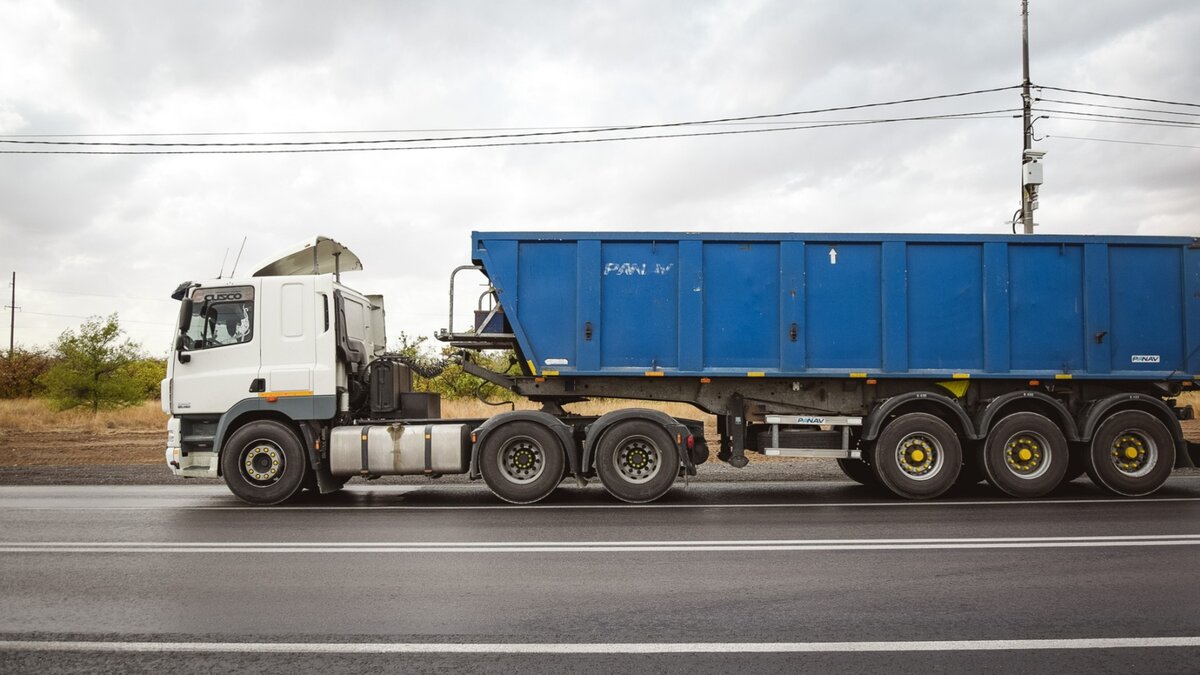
918	362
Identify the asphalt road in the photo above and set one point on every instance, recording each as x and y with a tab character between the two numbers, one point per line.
766	577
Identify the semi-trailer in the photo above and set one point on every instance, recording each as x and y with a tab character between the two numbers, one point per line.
918	362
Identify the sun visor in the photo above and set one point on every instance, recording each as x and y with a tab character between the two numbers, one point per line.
318	255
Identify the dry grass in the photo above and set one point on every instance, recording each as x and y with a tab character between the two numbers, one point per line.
38	415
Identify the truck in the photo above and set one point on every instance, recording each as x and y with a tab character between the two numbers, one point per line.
918	362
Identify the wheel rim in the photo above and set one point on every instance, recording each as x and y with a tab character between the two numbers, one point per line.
262	463
919	456
1133	453
637	460
521	460
1027	455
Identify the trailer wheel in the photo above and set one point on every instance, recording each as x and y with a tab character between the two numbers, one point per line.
263	463
1026	455
637	461
917	456
522	462
858	471
1132	454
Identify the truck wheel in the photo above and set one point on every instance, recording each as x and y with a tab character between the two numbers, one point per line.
637	461
1026	455
858	471
1132	454
917	456
263	463
522	462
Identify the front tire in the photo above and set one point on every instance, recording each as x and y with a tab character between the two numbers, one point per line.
637	461
917	456
1132	454
1026	455
522	462
263	463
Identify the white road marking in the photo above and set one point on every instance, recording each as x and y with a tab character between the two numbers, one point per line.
606	546
598	647
14	504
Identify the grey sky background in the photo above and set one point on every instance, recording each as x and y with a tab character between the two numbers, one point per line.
92	235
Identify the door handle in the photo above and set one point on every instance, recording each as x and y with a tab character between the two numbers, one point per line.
258	385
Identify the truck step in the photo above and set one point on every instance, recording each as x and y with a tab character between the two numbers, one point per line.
824	453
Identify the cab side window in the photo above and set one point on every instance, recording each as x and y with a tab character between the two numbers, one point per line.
220	317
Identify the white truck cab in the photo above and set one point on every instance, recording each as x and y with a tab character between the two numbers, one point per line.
281	344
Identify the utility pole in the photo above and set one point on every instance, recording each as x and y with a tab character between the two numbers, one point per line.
1031	176
12	323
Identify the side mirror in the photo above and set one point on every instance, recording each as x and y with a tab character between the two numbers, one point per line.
185	320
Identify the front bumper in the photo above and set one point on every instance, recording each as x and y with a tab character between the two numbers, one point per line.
195	464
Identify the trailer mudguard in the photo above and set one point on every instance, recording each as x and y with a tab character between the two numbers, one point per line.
674	428
1094	414
983	421
877	417
563	432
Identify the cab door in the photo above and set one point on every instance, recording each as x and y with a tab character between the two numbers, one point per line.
219	362
289	335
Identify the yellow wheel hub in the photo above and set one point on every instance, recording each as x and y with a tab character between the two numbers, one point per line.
1131	452
1024	455
918	456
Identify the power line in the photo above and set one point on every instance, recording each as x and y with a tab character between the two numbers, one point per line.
77	316
1120	107
1177	123
99	295
982	114
443	139
1127	98
1113	140
1071	117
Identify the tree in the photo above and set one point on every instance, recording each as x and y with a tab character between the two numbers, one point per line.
94	368
21	373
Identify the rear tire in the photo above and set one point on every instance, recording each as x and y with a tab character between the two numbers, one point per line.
1026	455
1132	454
637	461
917	456
522	462
263	463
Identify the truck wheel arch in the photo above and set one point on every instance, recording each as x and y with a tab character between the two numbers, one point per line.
673	427
1095	414
930	402
564	433
233	420
1028	401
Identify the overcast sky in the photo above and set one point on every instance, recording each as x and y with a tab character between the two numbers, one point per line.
95	234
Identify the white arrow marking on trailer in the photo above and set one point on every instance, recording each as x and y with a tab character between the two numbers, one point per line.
833	256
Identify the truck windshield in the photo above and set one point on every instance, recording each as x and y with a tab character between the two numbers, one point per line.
220	317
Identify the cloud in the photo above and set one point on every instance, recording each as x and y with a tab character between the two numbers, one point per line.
127	229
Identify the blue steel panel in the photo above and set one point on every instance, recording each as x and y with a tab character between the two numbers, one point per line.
691	306
1191	294
895	306
1046	318
1097	301
945	307
588	307
1147	300
791	306
995	308
844	306
741	305
546	301
639	305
